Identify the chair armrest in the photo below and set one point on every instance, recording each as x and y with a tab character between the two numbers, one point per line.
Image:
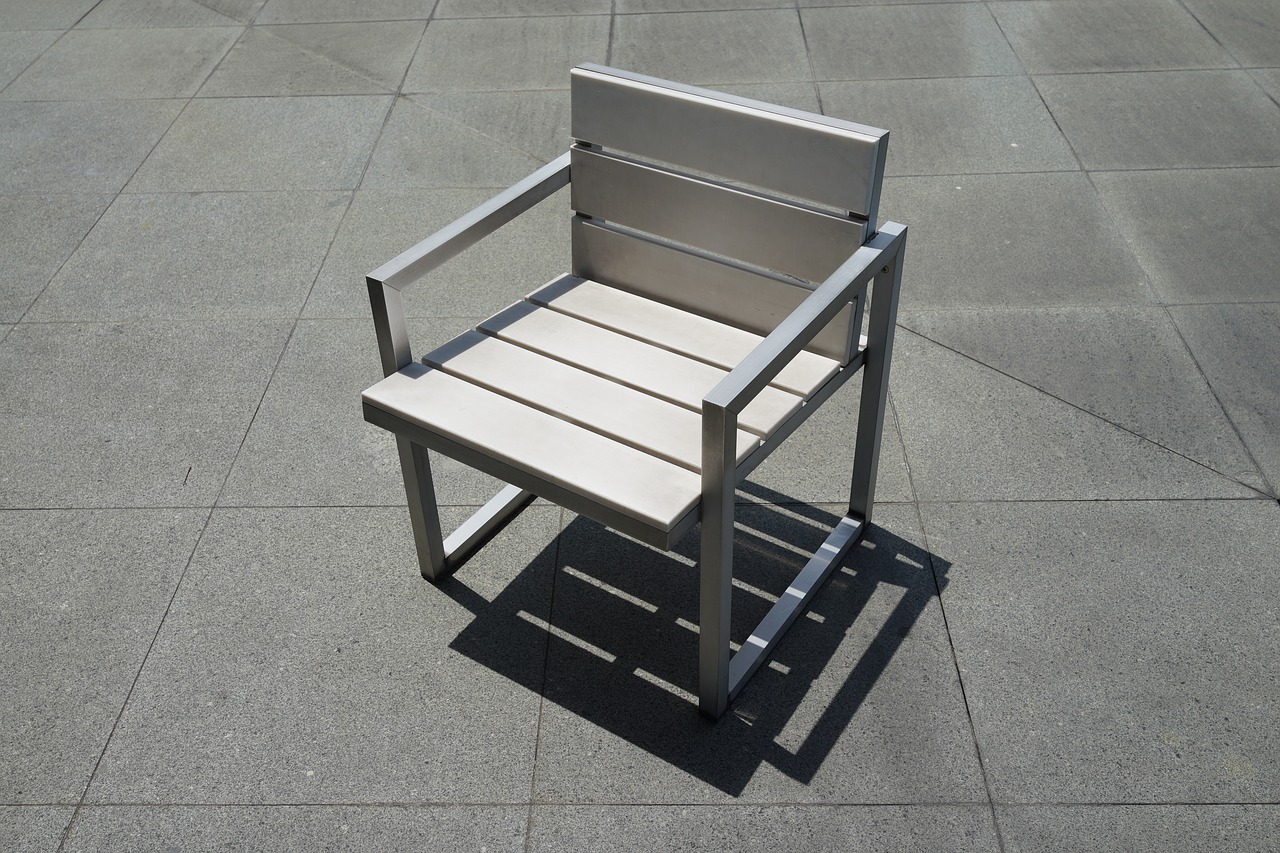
387	281
772	354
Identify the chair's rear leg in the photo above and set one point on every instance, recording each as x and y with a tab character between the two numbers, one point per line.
875	390
424	513
715	576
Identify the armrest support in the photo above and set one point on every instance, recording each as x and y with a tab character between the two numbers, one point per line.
387	281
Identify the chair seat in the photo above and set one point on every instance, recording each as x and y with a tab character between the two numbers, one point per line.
594	390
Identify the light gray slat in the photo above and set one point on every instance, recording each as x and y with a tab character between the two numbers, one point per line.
725	220
671	328
647	368
632	417
801	154
731	294
605	471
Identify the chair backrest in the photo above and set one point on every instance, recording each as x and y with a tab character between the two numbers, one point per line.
718	204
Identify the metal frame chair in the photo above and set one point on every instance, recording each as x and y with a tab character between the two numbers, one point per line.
677	279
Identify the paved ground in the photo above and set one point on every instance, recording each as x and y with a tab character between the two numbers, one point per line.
1062	634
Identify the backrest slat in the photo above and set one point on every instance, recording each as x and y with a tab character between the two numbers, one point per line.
820	159
723	220
737	295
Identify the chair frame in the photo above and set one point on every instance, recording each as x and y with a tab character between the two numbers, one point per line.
721	673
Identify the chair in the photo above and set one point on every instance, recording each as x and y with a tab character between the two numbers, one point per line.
704	319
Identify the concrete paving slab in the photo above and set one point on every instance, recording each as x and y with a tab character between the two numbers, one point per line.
980	241
295	829
537	53
757	829
518	8
304	658
1140	829
20	49
127	14
768	46
244	11
536	123
1118	652
84	594
1246	27
640	6
505	267
1238	348
423	148
36	829
317	59
317	143
51	15
1056	37
309	444
804	3
1126	365
196	256
992	124
39	232
861	703
1141	120
128	414
326	11
1239	207
973	434
886	42
1269	80
78	147
98	64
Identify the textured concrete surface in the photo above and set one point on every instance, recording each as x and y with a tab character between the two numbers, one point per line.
1059	634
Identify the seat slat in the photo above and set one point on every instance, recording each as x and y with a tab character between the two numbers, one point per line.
642	366
680	331
651	490
624	414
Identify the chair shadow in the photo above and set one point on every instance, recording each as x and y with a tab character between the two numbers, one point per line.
622	637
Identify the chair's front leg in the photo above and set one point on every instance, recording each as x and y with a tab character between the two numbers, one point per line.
719	426
423	511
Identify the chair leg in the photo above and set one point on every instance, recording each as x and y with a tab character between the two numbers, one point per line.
875	390
715	578
423	511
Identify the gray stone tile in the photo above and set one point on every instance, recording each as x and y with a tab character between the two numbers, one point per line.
756	829
992	124
1004	241
4	331
1061	36
309	444
77	147
138	414
242	10
1269	80
315	143
973	434
323	11
1238	348
128	14
20	49
504	267
39	232
294	829
101	64
632	6
305	660
84	594
536	123
518	8
1142	121
1158	212
1118	652
803	3
1248	28
768	46
860	704
1139	829
46	15
882	42
1127	365
536	53
35	829
423	148
317	59
196	256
